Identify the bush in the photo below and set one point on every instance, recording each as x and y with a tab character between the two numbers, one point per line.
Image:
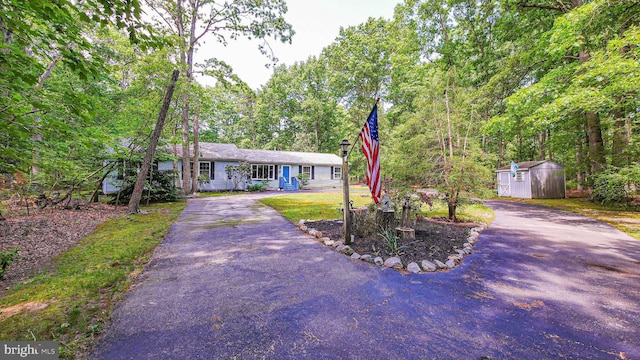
6	258
262	186
613	185
303	179
161	189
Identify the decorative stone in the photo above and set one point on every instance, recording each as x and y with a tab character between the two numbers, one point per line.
303	228
467	250
461	252
340	247
328	242
440	264
312	232
347	250
393	262
413	267
428	265
337	243
450	264
366	257
457	258
467	245
301	222
378	261
355	255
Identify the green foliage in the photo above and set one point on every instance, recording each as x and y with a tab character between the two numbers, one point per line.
161	188
204	178
262	186
303	179
6	258
238	174
613	186
391	239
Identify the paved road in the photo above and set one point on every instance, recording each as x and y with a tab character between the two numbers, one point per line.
233	279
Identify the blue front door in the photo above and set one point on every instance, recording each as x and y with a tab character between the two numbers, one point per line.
285	173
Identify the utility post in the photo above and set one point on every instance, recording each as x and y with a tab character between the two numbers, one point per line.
344	145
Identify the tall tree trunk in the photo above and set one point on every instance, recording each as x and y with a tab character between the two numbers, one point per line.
134	202
196	154
594	129
36	137
542	136
186	161
317	134
620	139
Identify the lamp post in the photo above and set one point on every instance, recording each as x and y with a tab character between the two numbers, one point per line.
344	145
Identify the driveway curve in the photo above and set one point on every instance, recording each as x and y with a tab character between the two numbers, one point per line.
234	279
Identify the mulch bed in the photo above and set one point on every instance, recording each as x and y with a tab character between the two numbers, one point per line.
44	234
436	239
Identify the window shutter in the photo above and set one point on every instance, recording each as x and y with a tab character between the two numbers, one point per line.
299	169
212	170
332	173
275	172
313	172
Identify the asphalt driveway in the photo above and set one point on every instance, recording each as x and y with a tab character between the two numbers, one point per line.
233	279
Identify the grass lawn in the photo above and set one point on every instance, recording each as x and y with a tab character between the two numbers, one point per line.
324	206
624	219
75	298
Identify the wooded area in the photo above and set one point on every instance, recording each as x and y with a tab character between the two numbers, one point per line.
465	86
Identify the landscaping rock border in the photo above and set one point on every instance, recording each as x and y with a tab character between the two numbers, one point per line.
394	262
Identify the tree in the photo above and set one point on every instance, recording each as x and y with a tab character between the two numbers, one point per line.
192	20
134	202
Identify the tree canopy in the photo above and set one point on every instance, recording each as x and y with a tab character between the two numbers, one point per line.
465	86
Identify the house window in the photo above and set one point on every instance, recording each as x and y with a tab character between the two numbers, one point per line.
337	172
262	172
519	176
305	169
205	169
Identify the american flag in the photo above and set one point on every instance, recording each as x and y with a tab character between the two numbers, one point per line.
371	151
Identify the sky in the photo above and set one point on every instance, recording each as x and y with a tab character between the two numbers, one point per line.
316	23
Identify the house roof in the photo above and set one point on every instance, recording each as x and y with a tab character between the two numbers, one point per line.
525	165
230	152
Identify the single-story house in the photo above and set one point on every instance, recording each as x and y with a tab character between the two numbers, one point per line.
532	180
277	169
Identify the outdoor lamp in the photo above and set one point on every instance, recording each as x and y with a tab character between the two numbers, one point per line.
345	147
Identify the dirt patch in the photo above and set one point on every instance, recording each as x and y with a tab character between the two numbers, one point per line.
44	234
436	239
29	306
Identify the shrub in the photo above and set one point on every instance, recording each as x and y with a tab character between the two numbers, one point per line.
161	189
612	186
303	179
6	258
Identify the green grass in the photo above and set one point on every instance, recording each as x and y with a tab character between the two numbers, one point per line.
313	206
323	206
466	212
623	219
86	281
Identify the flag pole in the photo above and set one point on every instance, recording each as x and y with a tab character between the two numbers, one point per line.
355	142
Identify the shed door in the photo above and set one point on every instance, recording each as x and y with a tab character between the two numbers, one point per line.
504	184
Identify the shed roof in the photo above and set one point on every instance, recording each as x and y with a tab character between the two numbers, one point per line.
525	165
230	152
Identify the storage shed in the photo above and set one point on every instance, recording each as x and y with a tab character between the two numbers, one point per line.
532	180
